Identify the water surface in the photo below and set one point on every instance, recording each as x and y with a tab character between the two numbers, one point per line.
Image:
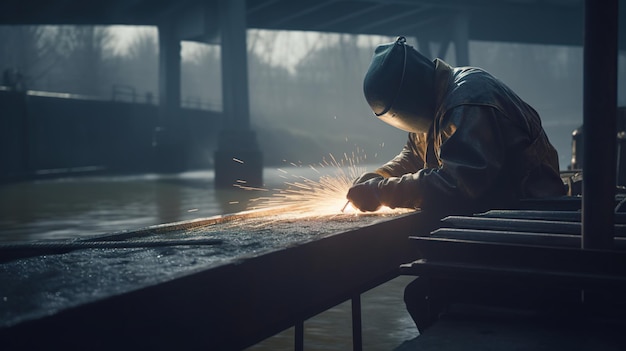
86	206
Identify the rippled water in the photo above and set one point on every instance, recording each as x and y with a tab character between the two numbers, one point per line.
73	207
386	324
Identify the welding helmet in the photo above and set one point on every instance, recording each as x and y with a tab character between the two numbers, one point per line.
399	86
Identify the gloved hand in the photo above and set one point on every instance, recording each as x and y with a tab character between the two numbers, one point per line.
366	195
365	177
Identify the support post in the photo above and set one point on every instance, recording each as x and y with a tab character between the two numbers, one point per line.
298	337
169	138
599	121
461	39
238	158
423	45
357	335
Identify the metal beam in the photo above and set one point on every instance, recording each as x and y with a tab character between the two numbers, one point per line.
480	5
599	121
253	9
527	22
299	14
348	16
391	18
411	28
121	7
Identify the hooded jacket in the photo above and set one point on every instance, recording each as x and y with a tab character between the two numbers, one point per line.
485	149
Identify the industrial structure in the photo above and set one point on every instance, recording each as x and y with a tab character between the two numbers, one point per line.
446	22
577	260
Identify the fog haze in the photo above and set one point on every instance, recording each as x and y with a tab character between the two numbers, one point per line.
305	88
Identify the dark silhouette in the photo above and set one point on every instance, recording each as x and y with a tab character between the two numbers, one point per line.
473	143
13	79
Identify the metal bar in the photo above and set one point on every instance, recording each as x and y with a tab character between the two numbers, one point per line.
561	216
514	225
516	237
521	225
601	262
517	274
508	237
599	121
298	337
357	337
567	203
565	216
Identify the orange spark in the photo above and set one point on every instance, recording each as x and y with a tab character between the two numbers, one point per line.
313	198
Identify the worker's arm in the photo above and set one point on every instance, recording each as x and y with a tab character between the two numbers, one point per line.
471	154
409	160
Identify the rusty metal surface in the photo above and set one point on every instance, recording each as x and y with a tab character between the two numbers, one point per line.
267	273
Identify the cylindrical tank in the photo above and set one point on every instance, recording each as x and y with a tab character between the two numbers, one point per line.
577	148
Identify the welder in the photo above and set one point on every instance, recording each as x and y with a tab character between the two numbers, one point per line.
473	145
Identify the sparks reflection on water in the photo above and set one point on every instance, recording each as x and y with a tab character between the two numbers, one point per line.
303	197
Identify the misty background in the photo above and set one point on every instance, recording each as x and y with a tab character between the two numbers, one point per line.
306	98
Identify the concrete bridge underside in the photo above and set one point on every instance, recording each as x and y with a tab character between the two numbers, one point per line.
225	22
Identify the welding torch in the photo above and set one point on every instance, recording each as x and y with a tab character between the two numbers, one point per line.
344	206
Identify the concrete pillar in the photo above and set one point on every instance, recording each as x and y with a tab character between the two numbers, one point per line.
461	39
170	133
238	159
423	45
457	33
15	142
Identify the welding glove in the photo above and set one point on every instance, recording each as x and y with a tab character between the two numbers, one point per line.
366	195
365	177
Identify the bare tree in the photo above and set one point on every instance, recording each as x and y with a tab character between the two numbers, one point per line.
141	69
33	50
83	61
201	78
